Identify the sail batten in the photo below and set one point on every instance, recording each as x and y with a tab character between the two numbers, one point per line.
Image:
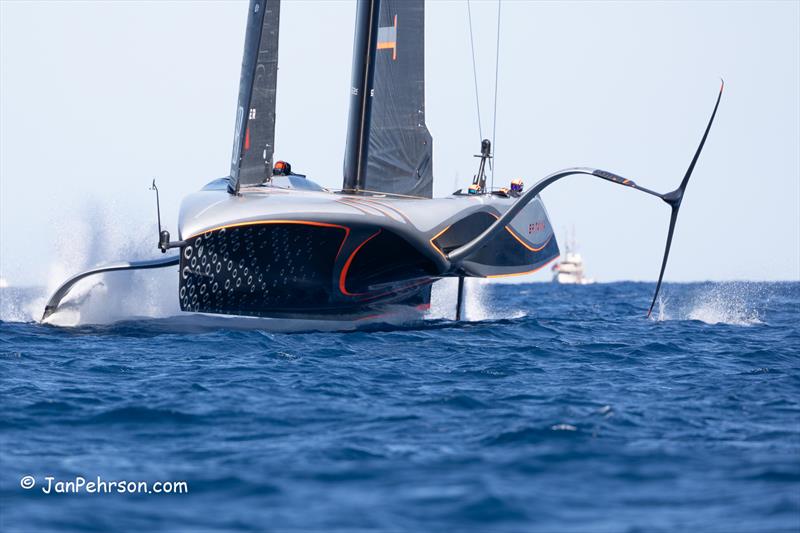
254	136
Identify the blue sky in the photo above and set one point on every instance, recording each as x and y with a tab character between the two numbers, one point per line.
96	99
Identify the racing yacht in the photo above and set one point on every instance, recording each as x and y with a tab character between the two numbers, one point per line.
264	241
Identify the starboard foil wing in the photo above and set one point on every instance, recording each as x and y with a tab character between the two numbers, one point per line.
400	152
673	199
254	136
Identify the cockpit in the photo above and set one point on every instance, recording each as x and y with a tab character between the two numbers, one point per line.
292	181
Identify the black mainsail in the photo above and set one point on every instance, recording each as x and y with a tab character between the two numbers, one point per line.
399	148
254	138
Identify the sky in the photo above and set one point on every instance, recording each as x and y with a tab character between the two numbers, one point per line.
99	98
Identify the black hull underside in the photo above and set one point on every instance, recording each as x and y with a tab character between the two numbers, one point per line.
285	269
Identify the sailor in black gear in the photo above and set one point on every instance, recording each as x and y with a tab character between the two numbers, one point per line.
282	168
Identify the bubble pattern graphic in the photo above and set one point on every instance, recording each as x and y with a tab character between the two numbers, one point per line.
245	269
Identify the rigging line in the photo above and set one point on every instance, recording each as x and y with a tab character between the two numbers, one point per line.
474	72
496	71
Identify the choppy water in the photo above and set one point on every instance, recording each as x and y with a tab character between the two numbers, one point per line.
553	408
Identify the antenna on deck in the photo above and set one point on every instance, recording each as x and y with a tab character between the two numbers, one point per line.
163	235
479	181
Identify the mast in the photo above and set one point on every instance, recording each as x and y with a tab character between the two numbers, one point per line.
364	47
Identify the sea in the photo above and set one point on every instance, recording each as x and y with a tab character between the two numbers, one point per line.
548	408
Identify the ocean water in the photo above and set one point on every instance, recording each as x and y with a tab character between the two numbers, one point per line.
551	408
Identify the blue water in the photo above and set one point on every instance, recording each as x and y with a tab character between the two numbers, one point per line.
554	409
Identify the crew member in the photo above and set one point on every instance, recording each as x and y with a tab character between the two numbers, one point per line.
516	187
282	168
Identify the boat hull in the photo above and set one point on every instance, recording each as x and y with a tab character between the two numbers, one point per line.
290	253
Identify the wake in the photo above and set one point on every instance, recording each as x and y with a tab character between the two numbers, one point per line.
732	303
102	235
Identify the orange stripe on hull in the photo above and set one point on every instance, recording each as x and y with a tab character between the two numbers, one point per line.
263	222
526	245
347	263
436	237
523	273
519	239
507	228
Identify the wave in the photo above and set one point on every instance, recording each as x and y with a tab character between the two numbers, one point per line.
731	303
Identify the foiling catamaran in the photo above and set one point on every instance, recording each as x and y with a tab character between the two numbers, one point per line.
261	243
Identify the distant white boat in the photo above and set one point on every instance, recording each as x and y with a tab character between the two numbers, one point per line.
3	283
569	271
